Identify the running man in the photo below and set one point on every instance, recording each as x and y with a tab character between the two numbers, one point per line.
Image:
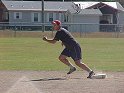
72	48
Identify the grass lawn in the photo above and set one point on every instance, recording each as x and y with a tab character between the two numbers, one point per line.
34	54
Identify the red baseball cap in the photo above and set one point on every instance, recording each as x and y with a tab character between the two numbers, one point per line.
57	22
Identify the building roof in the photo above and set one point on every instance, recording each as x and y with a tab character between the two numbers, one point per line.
37	5
90	12
55	6
86	12
115	5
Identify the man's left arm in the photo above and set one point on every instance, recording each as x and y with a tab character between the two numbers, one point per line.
53	41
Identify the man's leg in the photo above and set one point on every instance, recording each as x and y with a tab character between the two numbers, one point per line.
64	59
84	67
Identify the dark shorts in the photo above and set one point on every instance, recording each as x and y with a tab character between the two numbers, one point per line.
74	53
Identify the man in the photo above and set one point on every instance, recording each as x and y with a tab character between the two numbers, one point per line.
72	48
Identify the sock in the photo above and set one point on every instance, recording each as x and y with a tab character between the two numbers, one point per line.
90	71
71	66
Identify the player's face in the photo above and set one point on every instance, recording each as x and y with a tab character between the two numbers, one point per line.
56	27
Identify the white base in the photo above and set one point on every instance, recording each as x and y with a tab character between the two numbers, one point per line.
99	76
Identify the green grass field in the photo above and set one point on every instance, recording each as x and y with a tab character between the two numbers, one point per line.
34	54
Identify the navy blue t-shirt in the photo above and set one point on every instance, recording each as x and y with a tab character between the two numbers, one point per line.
66	38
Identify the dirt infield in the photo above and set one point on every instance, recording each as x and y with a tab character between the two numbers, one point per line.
58	82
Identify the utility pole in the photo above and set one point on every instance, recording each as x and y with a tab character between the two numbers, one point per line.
43	27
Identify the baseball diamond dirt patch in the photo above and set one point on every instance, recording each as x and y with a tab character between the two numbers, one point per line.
59	82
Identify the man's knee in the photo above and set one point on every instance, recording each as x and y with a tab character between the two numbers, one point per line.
61	58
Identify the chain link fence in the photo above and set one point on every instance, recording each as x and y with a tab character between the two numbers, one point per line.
77	30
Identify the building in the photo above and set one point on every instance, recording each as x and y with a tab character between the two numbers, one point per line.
112	13
88	14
